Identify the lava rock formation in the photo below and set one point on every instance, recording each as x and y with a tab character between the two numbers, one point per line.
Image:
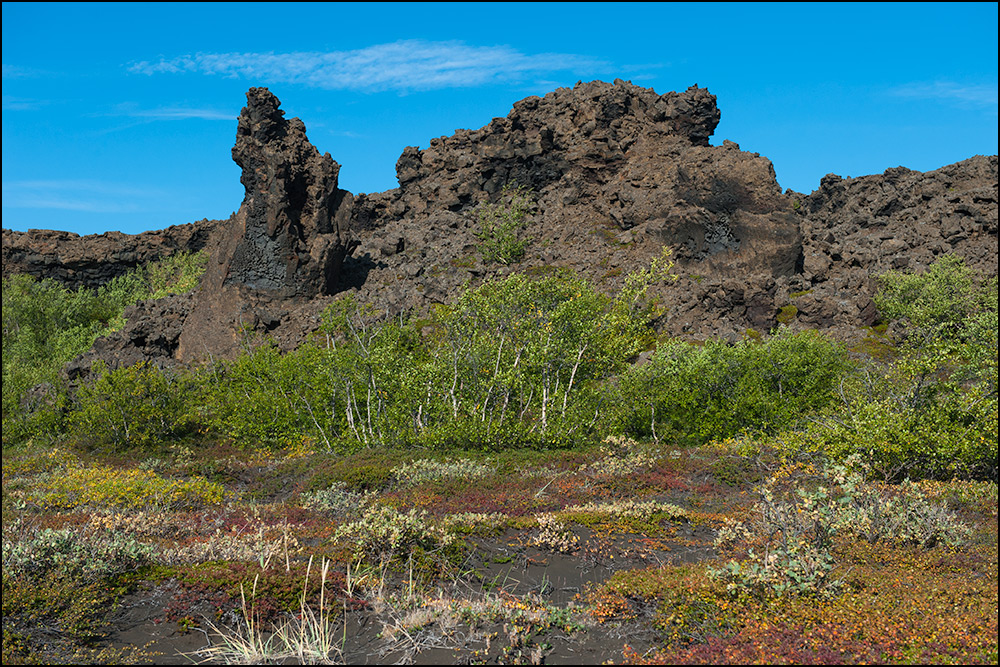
615	172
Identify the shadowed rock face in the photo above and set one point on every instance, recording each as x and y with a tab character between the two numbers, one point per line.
291	228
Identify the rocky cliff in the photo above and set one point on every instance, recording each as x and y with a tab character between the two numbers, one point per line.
615	172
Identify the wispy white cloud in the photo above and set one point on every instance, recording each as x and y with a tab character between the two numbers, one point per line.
18	72
22	103
408	65
130	110
965	95
77	195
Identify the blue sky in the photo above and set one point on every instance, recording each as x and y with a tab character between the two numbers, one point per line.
122	116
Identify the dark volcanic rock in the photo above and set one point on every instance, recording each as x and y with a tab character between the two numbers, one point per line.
283	248
615	173
858	228
902	219
151	333
292	225
92	260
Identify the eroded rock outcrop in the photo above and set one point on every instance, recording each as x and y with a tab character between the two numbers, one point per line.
282	249
290	233
614	171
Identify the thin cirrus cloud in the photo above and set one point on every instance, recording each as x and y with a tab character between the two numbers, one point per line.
11	103
979	96
180	113
76	195
408	65
170	113
19	72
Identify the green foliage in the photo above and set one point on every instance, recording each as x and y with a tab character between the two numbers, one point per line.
74	553
940	299
46	325
513	362
500	224
516	360
905	428
787	314
135	408
929	410
264	398
786	543
715	391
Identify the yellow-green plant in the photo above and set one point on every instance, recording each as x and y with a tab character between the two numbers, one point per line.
500	224
138	407
105	486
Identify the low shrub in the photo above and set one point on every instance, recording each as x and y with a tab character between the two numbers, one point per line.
91	555
384	533
906	421
103	486
139	407
56	618
622	457
786	542
337	499
695	394
553	535
628	509
428	470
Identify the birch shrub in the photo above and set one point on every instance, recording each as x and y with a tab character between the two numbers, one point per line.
138	407
931	411
514	362
697	393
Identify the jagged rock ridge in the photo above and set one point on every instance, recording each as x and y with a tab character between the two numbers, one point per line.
616	172
93	260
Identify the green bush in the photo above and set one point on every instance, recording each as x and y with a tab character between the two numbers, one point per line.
939	300
514	362
384	533
135	408
74	553
500	224
699	393
46	325
932	411
260	397
905	425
